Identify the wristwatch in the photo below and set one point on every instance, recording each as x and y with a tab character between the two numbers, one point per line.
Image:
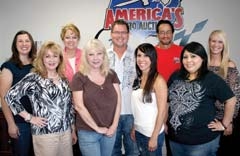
28	118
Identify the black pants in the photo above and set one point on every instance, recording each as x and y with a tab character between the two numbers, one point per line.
76	150
228	144
169	153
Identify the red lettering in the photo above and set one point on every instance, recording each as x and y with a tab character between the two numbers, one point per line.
132	14
122	14
141	14
148	14
179	18
155	13
166	14
109	19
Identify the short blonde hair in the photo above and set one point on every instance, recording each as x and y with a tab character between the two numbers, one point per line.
96	45
38	64
72	27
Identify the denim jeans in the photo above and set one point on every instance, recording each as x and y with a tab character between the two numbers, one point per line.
206	149
123	136
92	143
22	146
142	143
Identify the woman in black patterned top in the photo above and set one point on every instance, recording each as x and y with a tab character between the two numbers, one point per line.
193	129
53	114
220	63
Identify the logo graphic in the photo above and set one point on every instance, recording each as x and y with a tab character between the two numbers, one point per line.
143	16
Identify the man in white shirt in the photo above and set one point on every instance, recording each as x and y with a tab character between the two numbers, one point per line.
123	62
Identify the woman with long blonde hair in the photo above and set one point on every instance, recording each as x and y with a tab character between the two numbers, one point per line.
220	63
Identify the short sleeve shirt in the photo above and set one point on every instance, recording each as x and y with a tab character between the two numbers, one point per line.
18	73
192	107
100	101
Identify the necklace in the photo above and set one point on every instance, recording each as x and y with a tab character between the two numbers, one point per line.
54	78
97	79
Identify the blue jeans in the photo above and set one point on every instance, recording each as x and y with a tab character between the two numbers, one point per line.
123	136
142	143
92	143
22	146
206	149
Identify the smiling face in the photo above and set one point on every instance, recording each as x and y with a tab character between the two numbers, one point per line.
143	61
192	63
120	35
165	34
70	40
51	60
216	44
23	44
95	58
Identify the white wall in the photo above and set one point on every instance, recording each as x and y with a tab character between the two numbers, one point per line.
45	18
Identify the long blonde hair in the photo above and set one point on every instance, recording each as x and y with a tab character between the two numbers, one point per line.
224	54
96	45
38	64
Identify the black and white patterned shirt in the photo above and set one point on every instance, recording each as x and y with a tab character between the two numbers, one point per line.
48	100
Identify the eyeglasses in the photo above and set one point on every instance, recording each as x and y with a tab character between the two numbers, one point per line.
169	32
120	32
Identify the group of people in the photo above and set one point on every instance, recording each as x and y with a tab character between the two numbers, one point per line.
203	95
35	95
103	98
